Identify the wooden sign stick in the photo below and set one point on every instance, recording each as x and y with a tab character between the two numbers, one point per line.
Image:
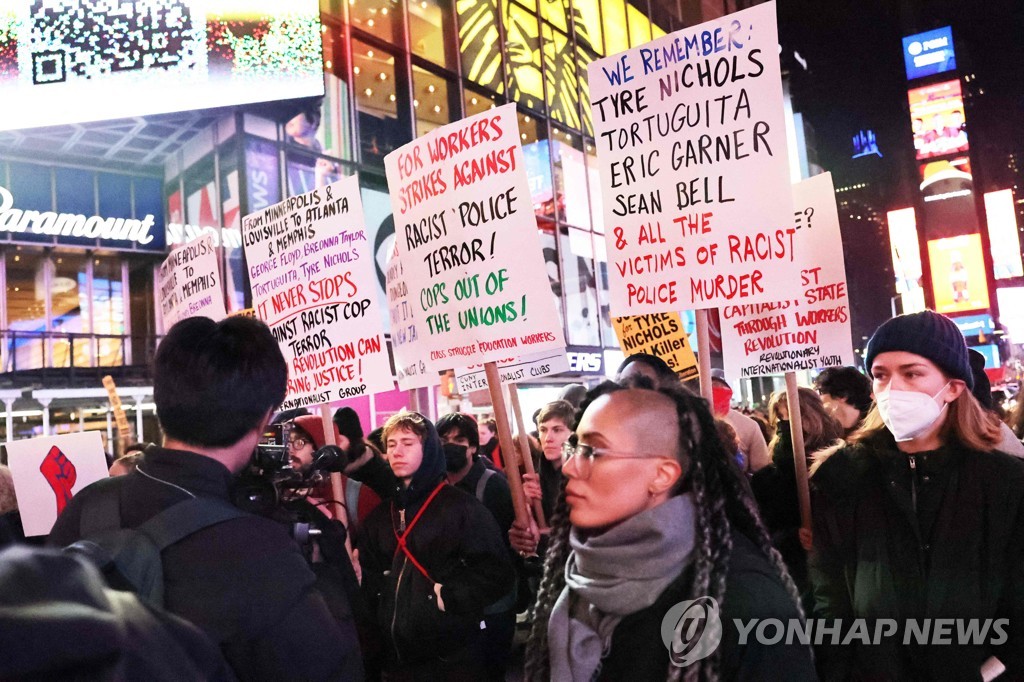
704	355
524	447
796	427
515	483
337	484
124	432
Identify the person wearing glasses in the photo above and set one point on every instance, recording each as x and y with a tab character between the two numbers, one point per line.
652	514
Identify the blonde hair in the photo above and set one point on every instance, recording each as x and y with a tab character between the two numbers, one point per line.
405	421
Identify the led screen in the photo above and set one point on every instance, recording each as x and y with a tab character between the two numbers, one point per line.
1011	312
1002	234
929	53
958	273
937	113
906	258
67	61
973	325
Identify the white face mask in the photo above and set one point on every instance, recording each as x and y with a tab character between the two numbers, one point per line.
908	414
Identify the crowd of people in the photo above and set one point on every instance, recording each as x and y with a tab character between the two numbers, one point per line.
648	497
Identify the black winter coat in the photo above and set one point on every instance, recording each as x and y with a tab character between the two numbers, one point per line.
945	540
458	544
753	590
244	582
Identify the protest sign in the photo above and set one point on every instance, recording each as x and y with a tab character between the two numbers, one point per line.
468	240
659	334
812	329
692	153
190	283
513	370
312	281
410	369
48	471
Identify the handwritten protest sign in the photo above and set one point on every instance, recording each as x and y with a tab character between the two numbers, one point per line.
467	236
812	329
692	152
410	369
659	334
514	370
48	471
313	284
190	283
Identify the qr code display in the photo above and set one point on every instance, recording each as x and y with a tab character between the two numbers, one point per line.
90	39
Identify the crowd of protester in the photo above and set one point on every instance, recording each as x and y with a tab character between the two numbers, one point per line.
412	562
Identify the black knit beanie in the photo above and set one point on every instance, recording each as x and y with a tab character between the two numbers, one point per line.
929	335
348	424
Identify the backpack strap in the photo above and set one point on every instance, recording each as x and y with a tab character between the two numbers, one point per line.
182	519
481	485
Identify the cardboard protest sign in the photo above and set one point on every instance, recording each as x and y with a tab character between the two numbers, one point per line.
467	235
190	283
811	329
660	334
513	370
48	471
313	284
691	142
410	369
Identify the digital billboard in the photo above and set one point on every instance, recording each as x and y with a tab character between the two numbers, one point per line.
929	53
958	274
1002	234
906	258
1011	312
937	113
974	325
68	61
946	179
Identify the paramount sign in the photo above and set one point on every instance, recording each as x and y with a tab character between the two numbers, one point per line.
127	230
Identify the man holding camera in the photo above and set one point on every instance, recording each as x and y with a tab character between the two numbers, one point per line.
243	581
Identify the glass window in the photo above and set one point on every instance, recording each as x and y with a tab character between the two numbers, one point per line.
639	26
230	237
550	252
570	179
480	44
594	183
555	11
522	44
381	18
537	158
431	102
381	129
429	27
69	298
477	103
26	309
579	287
334	133
603	296
589	33
616	39
583	59
562	81
108	320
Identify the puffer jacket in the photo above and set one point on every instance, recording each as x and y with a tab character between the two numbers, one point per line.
456	543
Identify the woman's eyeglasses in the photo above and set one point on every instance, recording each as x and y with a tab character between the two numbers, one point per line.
585	456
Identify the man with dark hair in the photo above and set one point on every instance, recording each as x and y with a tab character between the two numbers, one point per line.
433	560
243	581
846	394
467	472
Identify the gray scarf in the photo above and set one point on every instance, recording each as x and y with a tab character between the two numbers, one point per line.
611	575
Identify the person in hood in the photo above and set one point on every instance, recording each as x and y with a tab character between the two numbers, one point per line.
433	559
920	517
752	442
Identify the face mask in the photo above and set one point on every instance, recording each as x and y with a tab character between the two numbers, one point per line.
908	414
455	456
722	397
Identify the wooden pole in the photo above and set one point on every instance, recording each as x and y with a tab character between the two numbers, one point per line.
704	355
796	427
337	484
123	430
515	483
524	448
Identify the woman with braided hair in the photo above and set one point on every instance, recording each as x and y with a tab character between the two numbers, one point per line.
652	513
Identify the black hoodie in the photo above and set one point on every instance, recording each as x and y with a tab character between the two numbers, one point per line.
457	543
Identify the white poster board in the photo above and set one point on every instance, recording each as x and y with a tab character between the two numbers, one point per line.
48	471
811	329
190	283
467	235
513	370
313	283
410	369
691	145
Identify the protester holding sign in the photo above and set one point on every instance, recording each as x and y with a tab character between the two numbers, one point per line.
654	514
919	517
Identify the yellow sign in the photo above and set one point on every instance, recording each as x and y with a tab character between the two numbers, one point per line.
660	334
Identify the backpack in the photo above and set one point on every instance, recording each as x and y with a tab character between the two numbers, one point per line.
130	558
